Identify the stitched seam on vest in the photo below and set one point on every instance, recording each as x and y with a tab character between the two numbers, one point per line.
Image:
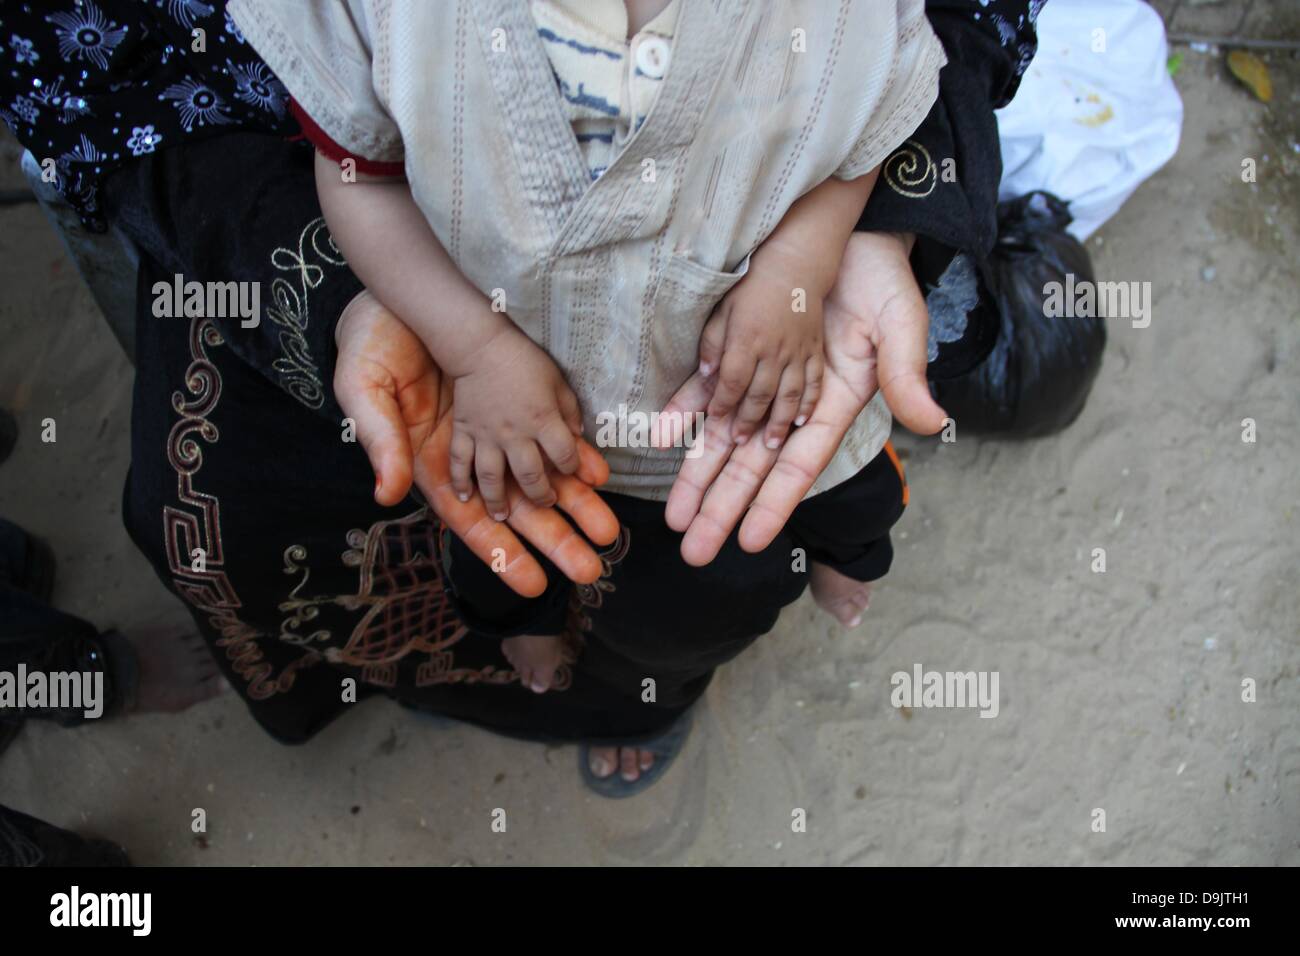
814	112
458	134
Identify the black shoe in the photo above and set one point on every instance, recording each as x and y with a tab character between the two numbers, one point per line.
37	578
26	562
8	434
26	841
109	652
9	728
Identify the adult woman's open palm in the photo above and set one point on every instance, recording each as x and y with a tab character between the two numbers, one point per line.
876	325
388	384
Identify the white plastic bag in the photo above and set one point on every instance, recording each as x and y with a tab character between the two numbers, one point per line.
1097	112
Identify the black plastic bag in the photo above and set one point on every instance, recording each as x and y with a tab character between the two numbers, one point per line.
1039	373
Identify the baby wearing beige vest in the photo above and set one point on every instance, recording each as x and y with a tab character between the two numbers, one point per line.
578	204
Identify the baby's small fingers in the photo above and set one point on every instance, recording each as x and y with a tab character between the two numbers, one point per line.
530	472
734	377
560	445
490	468
570	409
461	455
788	396
712	340
762	390
814	371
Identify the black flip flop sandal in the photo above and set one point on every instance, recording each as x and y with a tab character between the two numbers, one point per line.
8	434
665	747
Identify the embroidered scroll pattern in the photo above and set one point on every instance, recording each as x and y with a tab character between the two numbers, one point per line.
290	308
910	171
194	523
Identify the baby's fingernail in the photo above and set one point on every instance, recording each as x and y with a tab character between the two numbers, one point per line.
801	419
706	369
499	515
741	439
856	621
773	442
463	495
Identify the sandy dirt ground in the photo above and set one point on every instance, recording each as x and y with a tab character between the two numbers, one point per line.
1120	691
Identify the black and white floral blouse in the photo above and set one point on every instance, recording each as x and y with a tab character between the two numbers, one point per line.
91	84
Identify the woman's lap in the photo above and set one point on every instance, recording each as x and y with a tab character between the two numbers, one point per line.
256	512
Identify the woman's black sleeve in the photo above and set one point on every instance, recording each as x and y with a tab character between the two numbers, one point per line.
942	184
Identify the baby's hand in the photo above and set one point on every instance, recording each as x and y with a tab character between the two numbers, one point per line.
765	343
508	400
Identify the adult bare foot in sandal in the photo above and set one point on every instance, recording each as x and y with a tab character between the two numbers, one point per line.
618	771
628	762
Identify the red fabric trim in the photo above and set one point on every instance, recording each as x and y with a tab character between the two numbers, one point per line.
332	150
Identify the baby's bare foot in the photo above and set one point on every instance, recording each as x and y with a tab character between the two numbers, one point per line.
839	596
536	657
